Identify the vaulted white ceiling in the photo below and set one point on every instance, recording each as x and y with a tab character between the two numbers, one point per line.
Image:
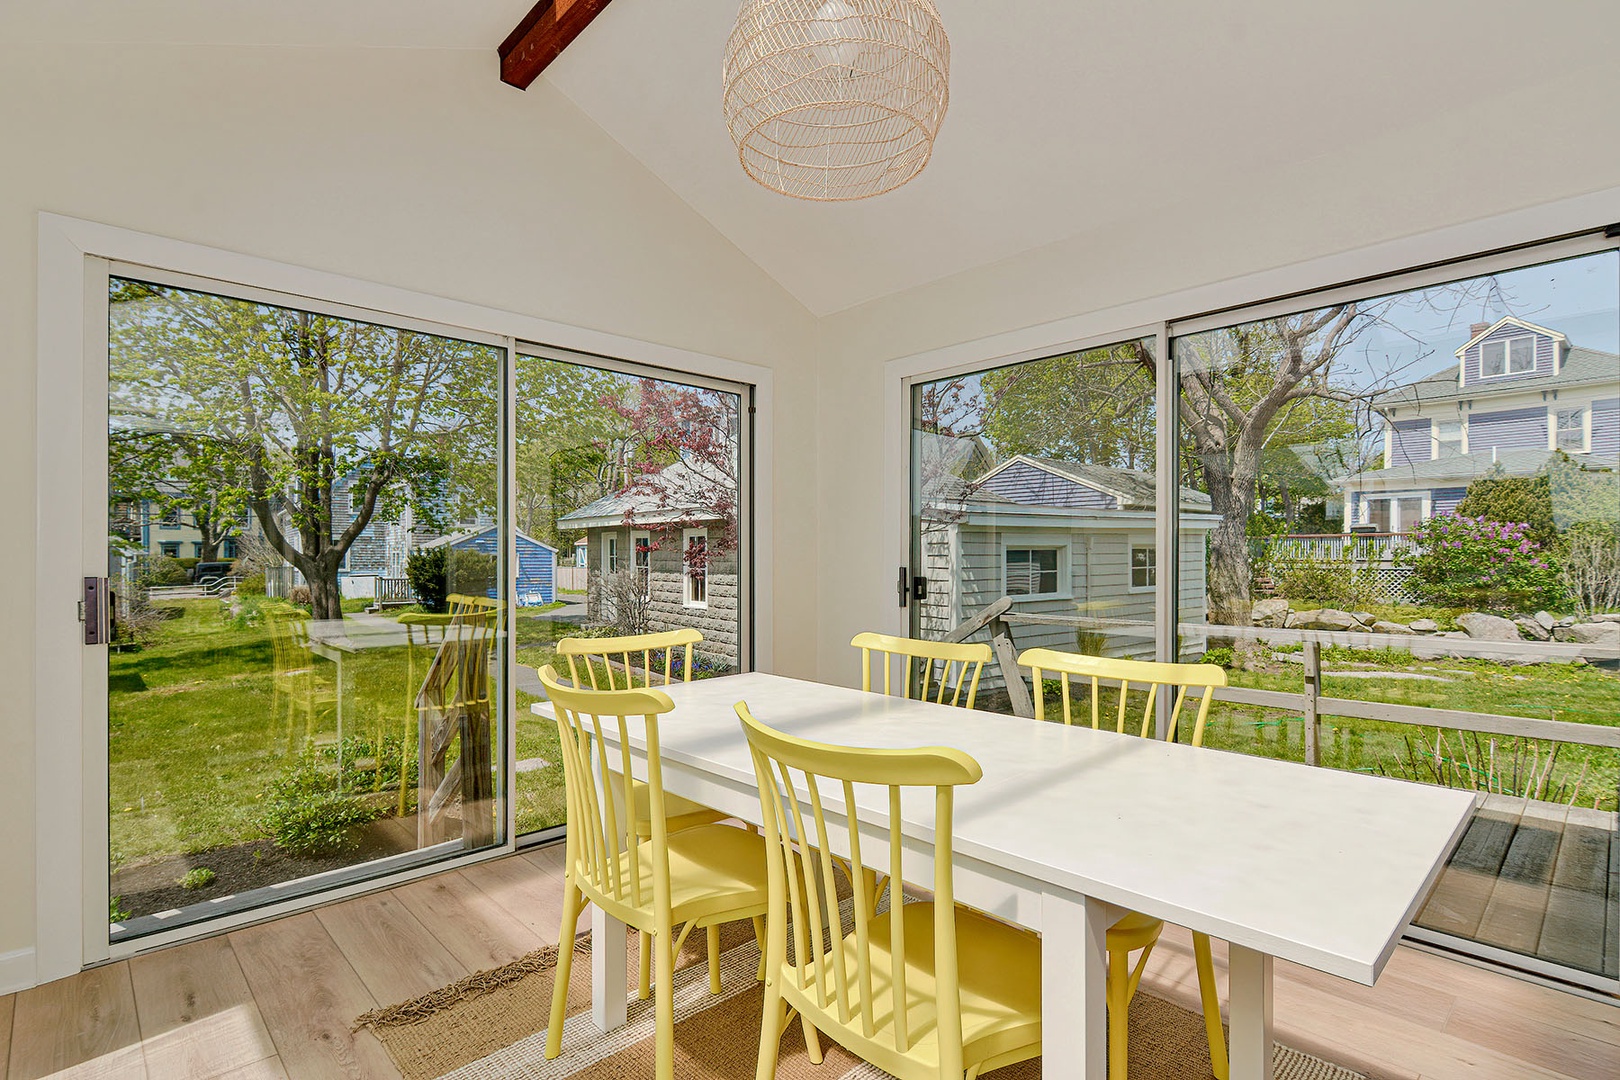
1067	117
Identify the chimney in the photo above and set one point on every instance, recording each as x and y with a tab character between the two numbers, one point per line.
1477	329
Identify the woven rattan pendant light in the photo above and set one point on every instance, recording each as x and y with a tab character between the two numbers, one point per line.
836	99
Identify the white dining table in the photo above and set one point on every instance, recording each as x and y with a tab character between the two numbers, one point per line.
1070	827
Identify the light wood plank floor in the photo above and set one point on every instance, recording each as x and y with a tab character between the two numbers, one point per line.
277	1000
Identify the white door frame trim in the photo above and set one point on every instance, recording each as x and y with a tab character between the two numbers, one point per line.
64	414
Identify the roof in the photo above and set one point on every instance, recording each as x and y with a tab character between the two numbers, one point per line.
1133	490
454	539
1508	320
1461	469
1581	367
640	506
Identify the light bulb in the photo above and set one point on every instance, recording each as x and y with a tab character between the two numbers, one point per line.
832	30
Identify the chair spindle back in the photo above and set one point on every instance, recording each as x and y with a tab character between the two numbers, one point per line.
1141	675
603	822
585	655
958	665
796	776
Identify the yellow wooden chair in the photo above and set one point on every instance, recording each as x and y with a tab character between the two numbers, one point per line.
963	659
295	684
1137	931
624	663
703	876
923	990
916	662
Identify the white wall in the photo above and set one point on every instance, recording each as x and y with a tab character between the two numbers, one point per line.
1386	187
413	168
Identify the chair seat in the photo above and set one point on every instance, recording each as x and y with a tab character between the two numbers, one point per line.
679	813
999	973
1134	931
716	874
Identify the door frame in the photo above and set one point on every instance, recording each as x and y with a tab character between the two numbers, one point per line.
70	738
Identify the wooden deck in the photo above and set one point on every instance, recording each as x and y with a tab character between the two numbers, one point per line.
1536	879
276	1000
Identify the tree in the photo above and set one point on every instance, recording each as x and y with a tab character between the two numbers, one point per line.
1514	500
318	423
700	431
570	448
188	475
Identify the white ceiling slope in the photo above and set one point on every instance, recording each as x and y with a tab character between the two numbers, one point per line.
1068	118
1069	115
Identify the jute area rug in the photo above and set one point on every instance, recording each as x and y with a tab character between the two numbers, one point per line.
493	1025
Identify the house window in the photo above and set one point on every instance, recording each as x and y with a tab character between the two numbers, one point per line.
1448	438
227	548
196	549
1032	571
1571	430
170	549
170	518
642	543
1512	357
1144	566
610	554
695	545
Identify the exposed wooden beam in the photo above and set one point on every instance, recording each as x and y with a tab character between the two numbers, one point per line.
549	28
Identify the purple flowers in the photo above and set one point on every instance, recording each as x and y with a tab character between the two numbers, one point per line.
1457	559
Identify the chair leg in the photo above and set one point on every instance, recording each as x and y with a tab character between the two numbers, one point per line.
664	1010
770	1031
565	962
812	1040
1212	1006
714	959
644	991
759	939
1119	968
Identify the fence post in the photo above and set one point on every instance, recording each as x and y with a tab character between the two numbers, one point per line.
1313	691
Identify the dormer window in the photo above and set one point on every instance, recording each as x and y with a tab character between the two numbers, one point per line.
1514	356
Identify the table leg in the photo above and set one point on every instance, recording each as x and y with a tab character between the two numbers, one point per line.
339	696
608	991
1074	971
1250	974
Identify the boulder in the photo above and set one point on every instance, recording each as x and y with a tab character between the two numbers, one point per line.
1424	626
1384	626
1546	619
1532	629
1607	617
1270	612
1483	627
1365	618
1321	619
1595	633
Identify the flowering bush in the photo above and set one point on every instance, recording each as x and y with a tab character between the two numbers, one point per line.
1471	561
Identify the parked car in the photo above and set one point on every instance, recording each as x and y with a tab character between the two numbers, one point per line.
205	572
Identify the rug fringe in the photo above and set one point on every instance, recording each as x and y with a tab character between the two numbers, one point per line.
421	1009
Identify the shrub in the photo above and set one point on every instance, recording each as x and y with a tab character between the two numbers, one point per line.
165	571
307	816
1509	500
1591	571
1473	561
1221	656
470	573
299	595
1324	581
252	585
426	570
198	878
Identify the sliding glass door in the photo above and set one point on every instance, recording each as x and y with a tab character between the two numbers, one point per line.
634	481
306	557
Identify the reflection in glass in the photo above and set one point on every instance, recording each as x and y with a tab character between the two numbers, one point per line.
310	689
1035	483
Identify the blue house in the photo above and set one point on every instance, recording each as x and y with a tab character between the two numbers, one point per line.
537	562
1518	394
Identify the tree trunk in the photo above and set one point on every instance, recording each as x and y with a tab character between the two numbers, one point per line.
325	595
